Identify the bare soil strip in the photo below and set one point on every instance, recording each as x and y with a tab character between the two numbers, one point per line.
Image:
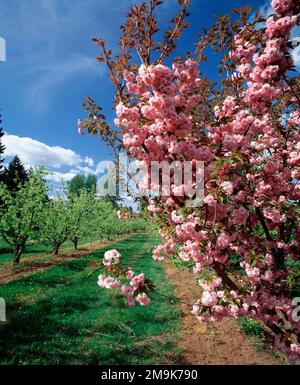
221	343
9	272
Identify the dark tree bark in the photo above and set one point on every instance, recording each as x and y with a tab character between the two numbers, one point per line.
55	249
17	254
75	243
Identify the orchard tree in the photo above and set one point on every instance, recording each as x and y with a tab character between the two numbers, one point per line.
80	214
22	212
243	240
104	219
55	227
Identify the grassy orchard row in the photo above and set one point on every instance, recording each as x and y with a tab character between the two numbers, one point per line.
79	324
29	215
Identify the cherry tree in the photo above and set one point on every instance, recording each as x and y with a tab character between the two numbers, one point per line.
242	242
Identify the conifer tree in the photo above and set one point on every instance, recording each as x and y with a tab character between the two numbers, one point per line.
15	175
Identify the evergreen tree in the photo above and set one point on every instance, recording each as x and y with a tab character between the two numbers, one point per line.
91	184
15	175
81	183
76	185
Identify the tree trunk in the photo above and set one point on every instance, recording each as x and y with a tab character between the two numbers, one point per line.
17	254
75	243
55	250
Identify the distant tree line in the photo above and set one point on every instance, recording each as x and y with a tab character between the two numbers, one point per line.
27	214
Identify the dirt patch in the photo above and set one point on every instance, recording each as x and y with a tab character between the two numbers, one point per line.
9	272
221	343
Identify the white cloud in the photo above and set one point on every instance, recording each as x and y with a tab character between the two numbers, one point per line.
83	170
89	161
296	56
36	153
60	176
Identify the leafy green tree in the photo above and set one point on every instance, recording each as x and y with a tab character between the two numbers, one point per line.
81	210
22	212
91	184
15	175
76	185
105	219
54	230
81	183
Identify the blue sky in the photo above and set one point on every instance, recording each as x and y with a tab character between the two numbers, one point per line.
51	68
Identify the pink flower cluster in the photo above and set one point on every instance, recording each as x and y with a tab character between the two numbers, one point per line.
283	6
134	291
111	257
108	282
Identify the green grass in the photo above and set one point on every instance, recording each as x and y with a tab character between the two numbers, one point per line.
34	248
60	315
252	328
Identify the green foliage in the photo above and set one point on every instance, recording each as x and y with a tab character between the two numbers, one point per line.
80	214
28	214
252	328
15	175
54	229
107	224
81	183
76	185
91	184
60	316
22	211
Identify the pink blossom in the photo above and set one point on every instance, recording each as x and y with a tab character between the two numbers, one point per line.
130	301
223	241
137	280
143	299
209	298
282	6
130	274
111	257
210	200
127	291
108	282
227	187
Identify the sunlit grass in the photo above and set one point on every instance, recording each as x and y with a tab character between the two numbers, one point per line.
60	315
35	248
